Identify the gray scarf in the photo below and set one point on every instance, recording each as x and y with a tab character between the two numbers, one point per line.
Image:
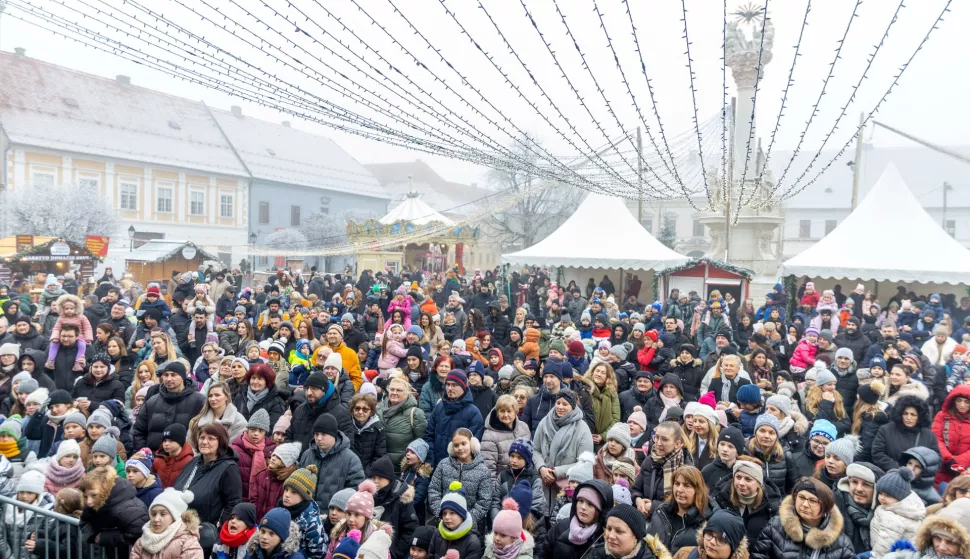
726	385
253	398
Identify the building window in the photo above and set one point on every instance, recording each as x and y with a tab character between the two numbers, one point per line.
89	182
225	205
264	212
164	202
262	261
830	225
42	178
647	224
805	229
196	203
951	227
294	215
128	195
698	228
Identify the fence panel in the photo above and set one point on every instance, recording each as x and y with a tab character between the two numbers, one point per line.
38	533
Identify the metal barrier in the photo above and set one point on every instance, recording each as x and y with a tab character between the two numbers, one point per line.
55	535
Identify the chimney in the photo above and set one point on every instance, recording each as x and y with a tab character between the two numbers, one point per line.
20	51
123	79
286	124
236	110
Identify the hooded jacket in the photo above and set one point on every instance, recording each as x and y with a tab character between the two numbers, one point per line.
161	409
898	521
448	416
337	469
370	441
31	340
894	438
952	432
785	538
557	544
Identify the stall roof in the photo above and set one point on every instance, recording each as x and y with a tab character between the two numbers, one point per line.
158	250
8	245
743	272
601	233
877	242
77	252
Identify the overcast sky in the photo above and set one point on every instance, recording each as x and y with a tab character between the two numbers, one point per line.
930	101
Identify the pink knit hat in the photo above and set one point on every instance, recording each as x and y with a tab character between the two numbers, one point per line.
508	521
362	502
708	400
282	424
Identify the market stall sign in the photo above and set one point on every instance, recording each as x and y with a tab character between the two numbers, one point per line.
97	245
60	249
189	252
52	258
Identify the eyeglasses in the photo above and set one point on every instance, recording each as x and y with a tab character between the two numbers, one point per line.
810	500
714	538
818	444
521	397
361	408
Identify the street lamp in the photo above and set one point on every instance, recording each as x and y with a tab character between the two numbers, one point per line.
131	238
252	257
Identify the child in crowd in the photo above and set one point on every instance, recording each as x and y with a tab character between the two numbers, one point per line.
899	513
508	539
267	484
456	530
236	533
521	469
581	472
48	428
172	531
337	509
65	469
749	400
104	452
298	501
14	448
59	539
421	542
98	425
70	312
138	471
803	355
957	368
617	446
113	516
18	524
416	473
359	516
174	455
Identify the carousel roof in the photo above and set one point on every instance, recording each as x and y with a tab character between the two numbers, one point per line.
416	211
158	250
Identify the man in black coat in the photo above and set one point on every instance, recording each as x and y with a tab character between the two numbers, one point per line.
855	496
63	371
321	398
581	386
168	403
119	321
481	300
353	336
853	338
498	324
395	498
639	394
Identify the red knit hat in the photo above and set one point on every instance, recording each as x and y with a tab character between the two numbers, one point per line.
153	290
959	348
652	334
576	348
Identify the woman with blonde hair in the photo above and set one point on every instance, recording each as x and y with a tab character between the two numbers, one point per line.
403	420
601	381
218	408
163	350
145	375
245	331
702	437
432	333
823	401
682	513
502	426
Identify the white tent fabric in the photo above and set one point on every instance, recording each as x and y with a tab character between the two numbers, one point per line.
888	237
602	233
416	211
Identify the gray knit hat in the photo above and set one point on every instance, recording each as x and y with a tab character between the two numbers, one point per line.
289	453
27	386
420	449
582	470
76	417
31	481
845	448
896	483
783	403
106	445
259	420
100	417
825	376
340	498
770	421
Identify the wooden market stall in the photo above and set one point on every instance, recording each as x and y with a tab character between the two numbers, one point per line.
30	255
155	260
704	275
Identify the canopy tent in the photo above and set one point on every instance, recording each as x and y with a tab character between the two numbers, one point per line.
414	210
888	237
601	234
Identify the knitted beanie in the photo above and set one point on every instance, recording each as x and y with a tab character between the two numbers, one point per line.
288	453
303	481
823	428
283	423
108	445
362	502
176	433
870	473
175	501
621	467
524	448
620	432
749	394
455	501
630	516
100	417
770	421
277	521
825	376
521	493
31	481
27	386
732	435
378	545
68	447
896	483
259	420
508	521
845	448
783	403
340	498
13	426
420	448
143	465
752	469
621	492
582	470
348	546
77	418
246	512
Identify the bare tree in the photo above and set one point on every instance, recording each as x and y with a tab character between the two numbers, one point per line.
71	211
326	230
539	207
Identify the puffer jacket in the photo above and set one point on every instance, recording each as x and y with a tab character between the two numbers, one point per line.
526	551
167	468
184	544
649	483
952	433
557	542
871	423
691	374
894	438
780	467
108	388
468	546
216	485
301	427
396	503
677	531
630	399
370	442
161	409
448	416
338	469
402	424
755	519
432	392
784	537
118	521
898	521
497	439
476	481
245	461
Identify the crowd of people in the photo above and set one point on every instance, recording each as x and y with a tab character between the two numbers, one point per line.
432	416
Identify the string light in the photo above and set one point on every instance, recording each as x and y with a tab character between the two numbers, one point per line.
693	97
754	109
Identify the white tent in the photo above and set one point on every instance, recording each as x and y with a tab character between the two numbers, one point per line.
416	211
603	234
888	237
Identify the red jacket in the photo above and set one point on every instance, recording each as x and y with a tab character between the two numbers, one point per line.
168	468
246	460
267	490
953	435
809	299
644	356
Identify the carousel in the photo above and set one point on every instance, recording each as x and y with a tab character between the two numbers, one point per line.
433	239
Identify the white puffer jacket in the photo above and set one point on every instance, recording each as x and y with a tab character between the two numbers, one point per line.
898	521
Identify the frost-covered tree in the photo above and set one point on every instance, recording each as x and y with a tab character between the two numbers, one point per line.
286	240
72	212
324	230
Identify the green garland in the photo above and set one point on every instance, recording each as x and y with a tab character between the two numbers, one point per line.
791	288
743	272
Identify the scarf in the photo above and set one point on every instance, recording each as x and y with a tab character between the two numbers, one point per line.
669	403
58	477
786	425
55	420
511	551
234	540
10	449
726	385
253	398
259	459
458	533
860	518
579	534
634	553
747	501
282	473
154	543
668	464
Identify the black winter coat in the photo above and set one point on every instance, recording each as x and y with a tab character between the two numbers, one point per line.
754	519
784	537
117	523
370	441
43	432
484	399
585	403
63	373
894	438
161	409
717	384
857	529
537	407
109	388
629	399
677	531
557	544
780	469
691	375
499	326
354	337
301	427
847	386
469	547
273	403
650	482
396	499
857	342
217	486
867	434
714	472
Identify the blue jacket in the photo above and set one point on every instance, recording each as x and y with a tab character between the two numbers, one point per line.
446	418
159	304
537	407
148	494
748	421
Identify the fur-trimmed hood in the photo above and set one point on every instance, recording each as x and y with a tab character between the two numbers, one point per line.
816	538
911	388
656	546
78	303
674	363
740	553
290	545
924	537
424	470
801	422
911	401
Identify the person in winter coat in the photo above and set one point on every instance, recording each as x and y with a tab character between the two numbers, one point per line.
267	484
601	381
253	450
173	402
899	513
321	398
174	454
403	420
16	528
97	385
559	440
337	465
575	536
138	472
690	369
396	501
233	535
261	393
793	425
433	390
951	426
113	515
480	385
456	536
297	500
508	539
540	404
925	464
639	394
502	427
944	534
219	409
417	473
464	463
766	446
626	536
453	412
730	445
370	441
172	531
655	481
808	525
213	476
746	492
679	518
278	538
909	427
